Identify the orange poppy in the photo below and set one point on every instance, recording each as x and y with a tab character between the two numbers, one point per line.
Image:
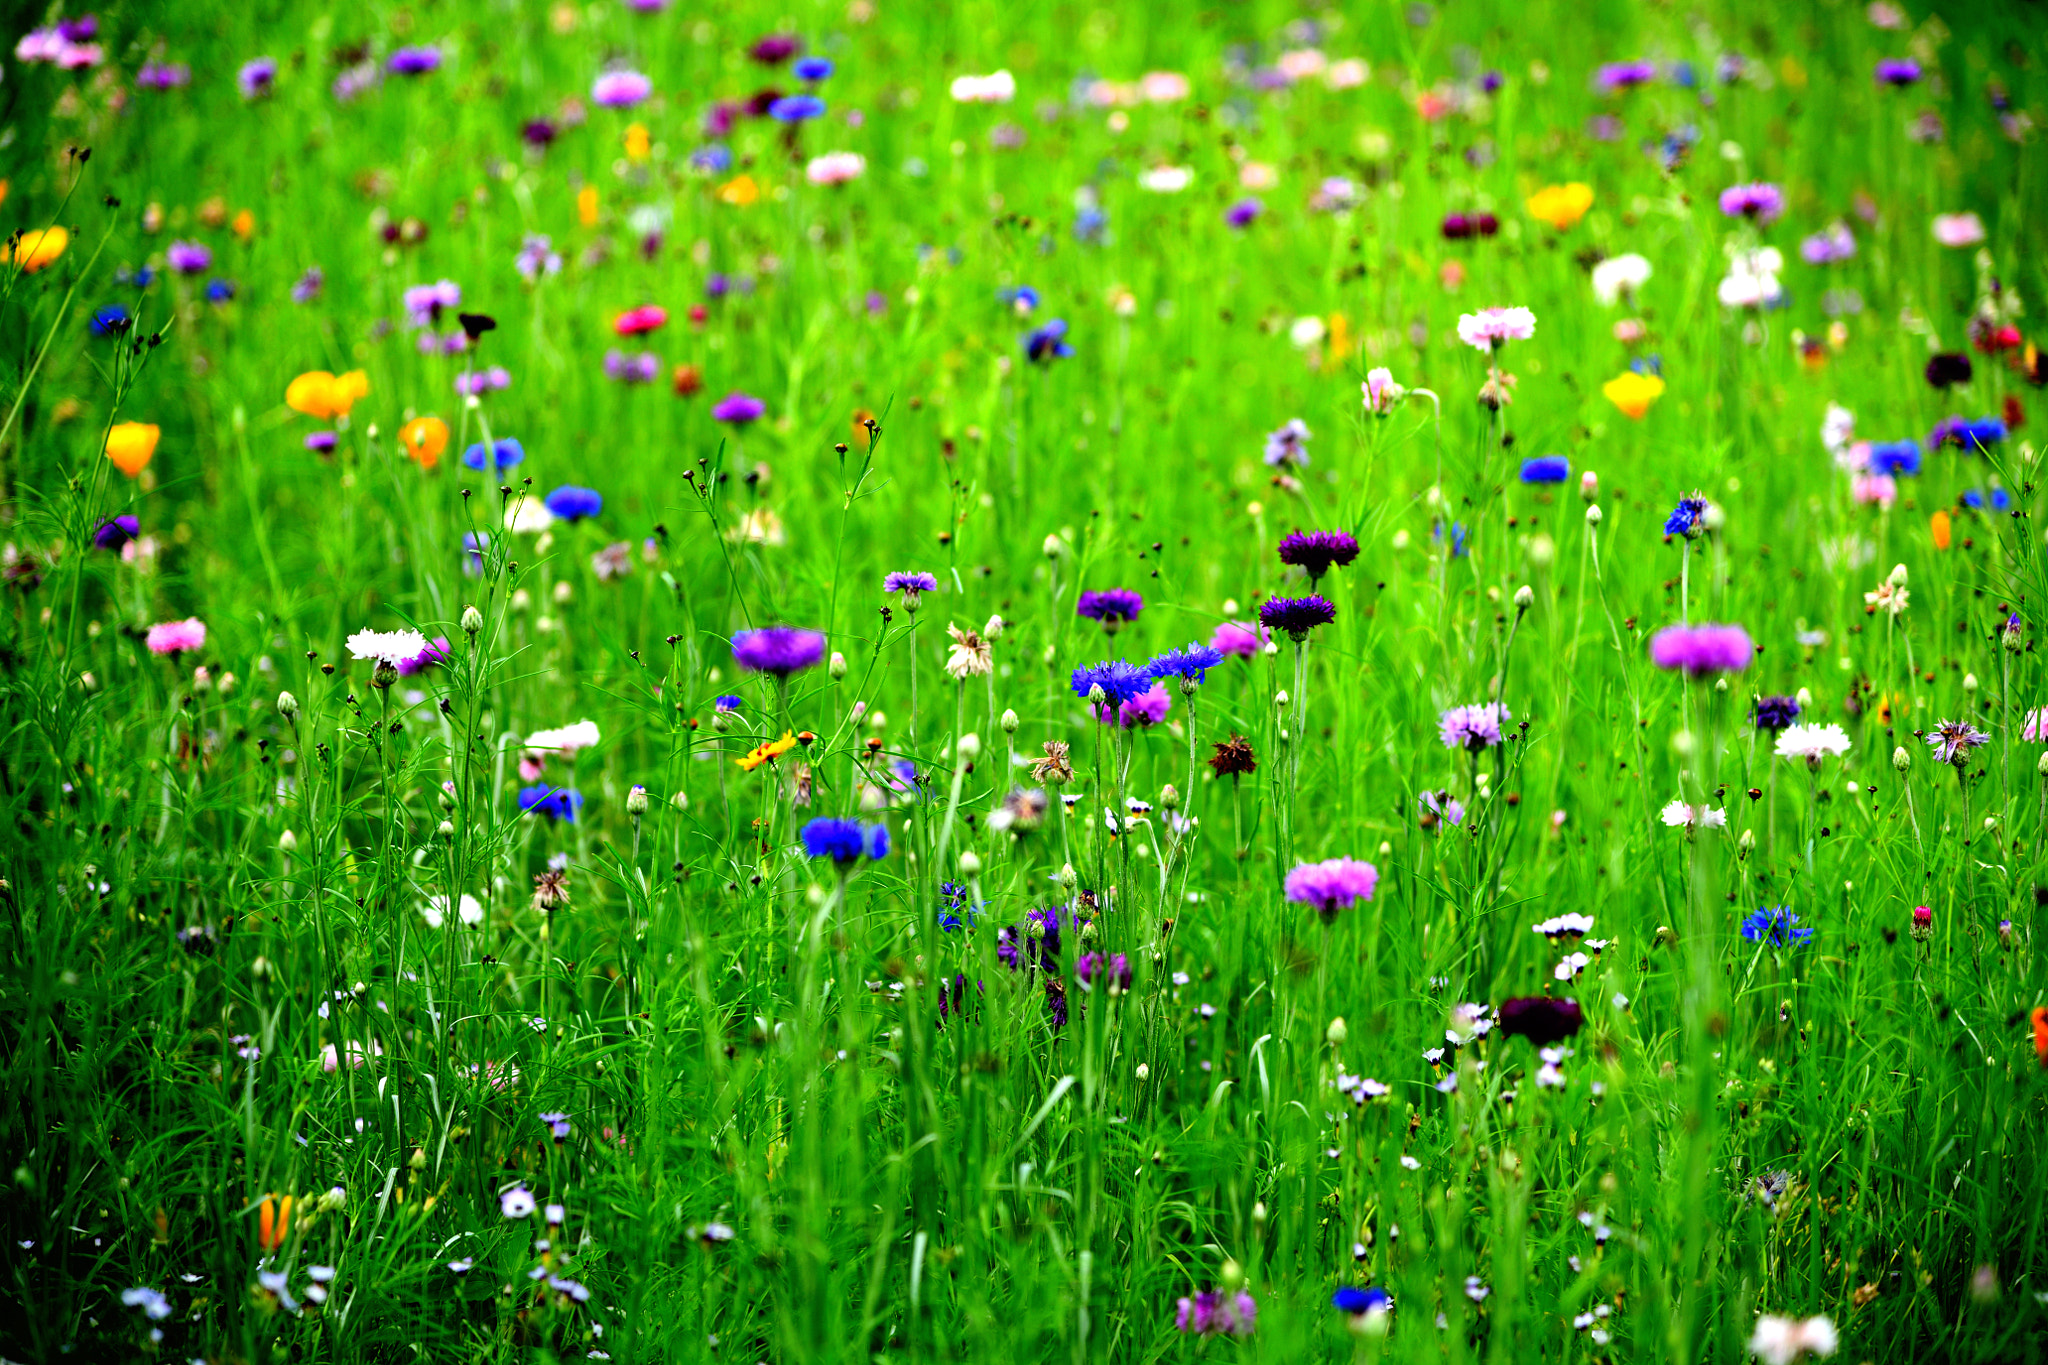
326	396
424	438
1561	206
131	445
2041	1033
273	1221
739	191
1938	523
37	249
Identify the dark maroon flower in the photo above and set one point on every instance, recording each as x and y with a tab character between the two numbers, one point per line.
776	48
1947	369
1540	1019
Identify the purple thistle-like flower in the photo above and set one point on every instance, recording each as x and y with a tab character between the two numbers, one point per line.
1111	606
188	258
1215	1313
1244	212
1120	682
1701	650
1759	201
775	49
1774	713
1319	551
1115	970
1835	243
256	77
910	583
413	61
1472	728
1332	885
424	303
116	532
738	409
778	650
1897	71
163	75
437	652
1034	943
1952	741
1288	444
643	368
1147	708
1623	75
620	89
1297	616
1539	1018
1047	342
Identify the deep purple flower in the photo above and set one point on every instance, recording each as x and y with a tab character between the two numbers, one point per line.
1472	728
571	502
79	30
738	409
188	258
1214	1313
1760	201
777	650
256	77
910	584
1047	343
1146	709
537	132
1897	71
307	287
1244	213
1971	436
320	442
1114	969
115	532
1541	1019
775	49
1120	682
1701	650
1331	886
163	75
1774	713
413	61
1459	226
1948	369
1952	741
436	652
1034	943
1319	551
1297	616
1622	75
1111	606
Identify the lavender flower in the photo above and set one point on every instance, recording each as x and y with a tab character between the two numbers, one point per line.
1615	76
1289	444
1701	650
413	61
738	409
1759	201
1472	728
1834	243
1897	71
1774	713
1319	551
1215	1313
307	287
1297	616
1332	886
643	368
256	77
1114	969
1147	708
910	585
424	303
620	89
537	257
1952	741
778	650
188	258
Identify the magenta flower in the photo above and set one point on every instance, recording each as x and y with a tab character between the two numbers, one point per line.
1701	650
738	409
1239	641
1760	201
620	89
176	637
1146	709
1332	885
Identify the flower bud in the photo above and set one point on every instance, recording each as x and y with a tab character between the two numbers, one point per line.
1337	1032
994	629
472	621
681	802
1990	823
636	802
1009	722
1525	597
1280	699
384	674
1589	485
970	863
288	842
1169	798
1903	760
1898	576
1232	1275
968	747
1089	932
1804	696
1143	1071
1096	696
1745	844
1969	682
1065	877
287	706
522	600
1052	547
1593	515
446	830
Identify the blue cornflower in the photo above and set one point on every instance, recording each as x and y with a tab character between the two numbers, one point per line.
1355	1301
1971	436
497	455
1999	498
910	584
1895	457
1048	342
1459	547
1546	469
1647	364
219	290
1120	682
1091	225
727	704
713	158
796	109
1022	297
1689	518
571	503
1191	665
954	910
562	804
112	320
1775	925
812	68
845	842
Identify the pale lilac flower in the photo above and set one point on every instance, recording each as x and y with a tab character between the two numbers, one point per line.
1490	328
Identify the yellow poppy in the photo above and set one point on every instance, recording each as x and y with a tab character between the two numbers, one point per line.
131	444
424	438
1561	206
772	749
586	206
739	191
37	249
638	144
1633	393
326	396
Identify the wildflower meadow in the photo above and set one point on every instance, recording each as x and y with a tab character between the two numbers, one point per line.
977	683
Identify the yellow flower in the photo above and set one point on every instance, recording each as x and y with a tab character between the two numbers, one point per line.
1633	393
772	749
739	191
244	225
638	144
37	249
1561	205
586	206
424	438
326	396
131	444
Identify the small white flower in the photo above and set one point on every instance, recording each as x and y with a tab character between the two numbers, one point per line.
1679	813
517	1202
1812	742
1618	275
468	910
1165	179
387	646
1780	1341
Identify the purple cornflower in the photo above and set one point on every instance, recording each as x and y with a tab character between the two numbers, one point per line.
1759	201
320	442
436	652
1319	551
1897	71
1774	713
1244	213
1114	969
476	383
115	532
1948	368
1775	925
1971	436
1332	886
620	89
424	303
738	409
845	842
163	75
1146	709
188	258
1288	444
775	48
797	109
1120	682
1472	728
1297	616
1239	640
1456	227
256	77
1688	519
1441	804
413	61
777	650
1952	741
632	369
571	502
538	133
1623	75
910	585
537	257
1034	943
1835	243
1701	650
1214	1313
307	287
1111	606
1047	343
1541	1019
1191	665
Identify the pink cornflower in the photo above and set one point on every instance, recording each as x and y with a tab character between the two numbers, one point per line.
175	637
1146	709
1881	489
1489	328
1240	640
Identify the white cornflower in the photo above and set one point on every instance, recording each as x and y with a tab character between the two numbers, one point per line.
1812	742
1780	1341
1618	275
1679	813
387	646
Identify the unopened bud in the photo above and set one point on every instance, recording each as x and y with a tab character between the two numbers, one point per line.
994	629
1096	696
970	863
1804	696
1066	878
1052	547
563	592
1280	699
1525	597
1169	799
472	621
1009	722
1898	576
1232	1274
1593	515
837	666
287	706
636	802
1903	760
288	842
1589	485
968	747
1990	822
1746	843
447	829
1969	682
1143	1071
384	674
681	802
1337	1032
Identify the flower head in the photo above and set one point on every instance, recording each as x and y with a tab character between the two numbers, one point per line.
1619	275
1774	713
1546	469
1688	518
1319	551
573	503
1472	728
1331	886
968	655
1633	393
1146	709
620	89
1238	640
563	805
845	842
910	584
1952	741
1541	1019
1491	328
1781	1341
1703	649
777	650
1759	201
1234	757
1120	682
1811	742
500	454
1381	392
1958	229
116	532
1213	1312
256	76
413	61
1561	206
796	109
1288	444
835	168
386	646
1834	243
1775	925
326	396
1297	616
1110	606
738	408
1191	664
131	445
176	637
1047	342
1971	437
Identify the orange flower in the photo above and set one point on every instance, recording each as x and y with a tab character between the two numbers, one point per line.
638	145
244	225
1938	523
688	381
586	206
1561	206
772	749
131	444
739	191
326	396
273	1221
37	249
424	438
1633	393
2041	1033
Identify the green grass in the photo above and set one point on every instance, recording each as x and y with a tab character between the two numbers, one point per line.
737	1035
